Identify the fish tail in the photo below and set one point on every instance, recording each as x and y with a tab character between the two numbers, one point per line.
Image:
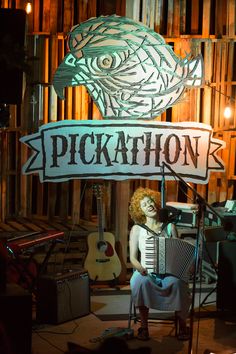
196	71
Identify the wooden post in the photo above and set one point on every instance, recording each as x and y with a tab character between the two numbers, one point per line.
207	93
121	224
76	202
206	18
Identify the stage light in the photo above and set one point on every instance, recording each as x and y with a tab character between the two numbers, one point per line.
227	112
28	7
229	101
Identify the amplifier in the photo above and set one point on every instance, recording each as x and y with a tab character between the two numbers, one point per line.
63	296
188	215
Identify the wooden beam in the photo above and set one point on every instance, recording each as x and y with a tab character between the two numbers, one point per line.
53	17
206	18
217	67
194	16
121	224
219	10
183	19
207	91
230	28
68	15
120	7
76	202
170	18
46	16
176	18
158	18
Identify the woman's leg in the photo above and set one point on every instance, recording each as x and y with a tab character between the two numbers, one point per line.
143	333
181	301
143	312
182	322
183	330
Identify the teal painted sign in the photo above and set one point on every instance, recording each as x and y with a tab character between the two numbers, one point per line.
127	68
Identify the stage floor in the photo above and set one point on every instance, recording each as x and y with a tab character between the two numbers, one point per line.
109	309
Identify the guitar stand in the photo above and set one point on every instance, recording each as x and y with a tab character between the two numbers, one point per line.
23	268
113	283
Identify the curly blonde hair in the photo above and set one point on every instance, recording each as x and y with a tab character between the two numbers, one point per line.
134	208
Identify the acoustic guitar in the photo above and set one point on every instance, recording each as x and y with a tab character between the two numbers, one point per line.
102	261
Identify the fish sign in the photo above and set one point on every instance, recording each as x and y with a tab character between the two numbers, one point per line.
121	150
127	68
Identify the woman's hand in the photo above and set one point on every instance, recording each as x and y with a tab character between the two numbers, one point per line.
142	271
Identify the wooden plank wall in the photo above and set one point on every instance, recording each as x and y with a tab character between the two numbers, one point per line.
206	27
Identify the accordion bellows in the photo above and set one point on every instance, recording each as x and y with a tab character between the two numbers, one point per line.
171	256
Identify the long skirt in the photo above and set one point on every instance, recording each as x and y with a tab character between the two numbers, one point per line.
161	293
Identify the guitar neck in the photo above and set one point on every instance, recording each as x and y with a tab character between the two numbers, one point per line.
100	219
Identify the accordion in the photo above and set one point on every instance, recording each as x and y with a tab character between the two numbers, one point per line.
170	256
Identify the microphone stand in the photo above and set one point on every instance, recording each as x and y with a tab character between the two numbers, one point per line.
201	207
163	188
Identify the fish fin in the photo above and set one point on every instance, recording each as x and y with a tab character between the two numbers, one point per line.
196	70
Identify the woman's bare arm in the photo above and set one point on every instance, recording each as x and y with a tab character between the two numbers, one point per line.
133	249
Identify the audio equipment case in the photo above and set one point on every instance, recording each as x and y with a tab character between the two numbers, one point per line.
188	215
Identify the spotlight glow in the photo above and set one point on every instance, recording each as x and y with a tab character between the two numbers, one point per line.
227	112
28	8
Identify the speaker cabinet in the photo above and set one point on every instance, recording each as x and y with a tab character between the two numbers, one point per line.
12	55
63	297
16	318
226	285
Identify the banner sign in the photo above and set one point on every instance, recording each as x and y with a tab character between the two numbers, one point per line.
120	150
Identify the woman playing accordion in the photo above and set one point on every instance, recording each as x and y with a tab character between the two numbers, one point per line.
149	289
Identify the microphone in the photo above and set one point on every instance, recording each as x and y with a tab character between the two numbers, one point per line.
164	215
169	214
